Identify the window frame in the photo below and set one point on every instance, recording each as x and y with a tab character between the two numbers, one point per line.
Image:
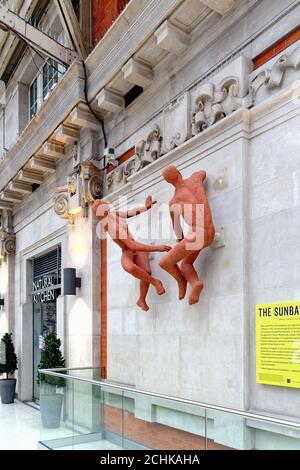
39	100
41	94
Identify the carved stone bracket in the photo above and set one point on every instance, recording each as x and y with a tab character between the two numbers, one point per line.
82	188
216	102
91	182
272	78
7	243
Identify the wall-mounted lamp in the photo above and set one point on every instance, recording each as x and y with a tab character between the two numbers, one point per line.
1	302
71	281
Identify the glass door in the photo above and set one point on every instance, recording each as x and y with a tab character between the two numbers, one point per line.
44	322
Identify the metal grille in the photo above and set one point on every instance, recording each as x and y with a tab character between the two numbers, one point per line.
47	263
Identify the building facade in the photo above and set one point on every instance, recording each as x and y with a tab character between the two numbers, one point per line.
202	85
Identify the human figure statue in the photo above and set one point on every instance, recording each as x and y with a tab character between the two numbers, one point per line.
135	257
189	202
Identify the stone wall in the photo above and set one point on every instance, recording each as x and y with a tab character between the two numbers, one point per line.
206	352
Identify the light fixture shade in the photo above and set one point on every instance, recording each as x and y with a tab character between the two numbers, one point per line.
71	281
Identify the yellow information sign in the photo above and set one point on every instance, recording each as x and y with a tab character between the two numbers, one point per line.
278	344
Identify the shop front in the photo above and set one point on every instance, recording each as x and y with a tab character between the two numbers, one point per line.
46	289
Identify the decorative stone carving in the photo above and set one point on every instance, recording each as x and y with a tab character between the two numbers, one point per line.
116	176
7	243
72	183
83	187
146	152
215	102
176	122
129	168
272	78
91	181
61	204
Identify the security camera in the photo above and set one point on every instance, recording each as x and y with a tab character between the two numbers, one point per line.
109	153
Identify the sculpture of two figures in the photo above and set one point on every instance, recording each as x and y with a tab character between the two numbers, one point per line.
189	201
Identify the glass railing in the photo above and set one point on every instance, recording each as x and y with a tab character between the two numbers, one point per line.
81	411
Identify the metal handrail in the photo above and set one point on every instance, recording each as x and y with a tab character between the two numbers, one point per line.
100	383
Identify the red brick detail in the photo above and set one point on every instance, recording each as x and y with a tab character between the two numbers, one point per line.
278	47
104	13
153	435
125	156
103	293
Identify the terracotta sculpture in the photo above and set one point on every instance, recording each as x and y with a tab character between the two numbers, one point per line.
188	198
135	258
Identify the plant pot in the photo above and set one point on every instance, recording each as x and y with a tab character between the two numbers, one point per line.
51	406
8	390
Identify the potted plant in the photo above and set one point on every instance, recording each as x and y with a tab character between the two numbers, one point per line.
8	365
50	398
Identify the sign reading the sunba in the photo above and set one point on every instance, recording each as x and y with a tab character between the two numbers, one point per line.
278	344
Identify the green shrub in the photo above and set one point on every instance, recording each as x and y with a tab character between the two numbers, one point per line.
51	358
8	357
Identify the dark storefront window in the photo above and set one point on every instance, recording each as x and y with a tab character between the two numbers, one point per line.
46	287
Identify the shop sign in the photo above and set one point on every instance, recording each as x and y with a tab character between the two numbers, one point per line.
44	289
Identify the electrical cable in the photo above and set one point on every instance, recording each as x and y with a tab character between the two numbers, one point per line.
27	41
66	23
36	65
51	65
90	108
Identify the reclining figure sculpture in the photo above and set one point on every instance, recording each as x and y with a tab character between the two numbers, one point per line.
135	258
189	202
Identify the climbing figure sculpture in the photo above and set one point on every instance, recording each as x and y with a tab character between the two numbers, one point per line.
135	258
189	202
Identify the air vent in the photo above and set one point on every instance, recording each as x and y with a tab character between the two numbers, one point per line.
132	94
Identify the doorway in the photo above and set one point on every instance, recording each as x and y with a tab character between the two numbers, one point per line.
46	289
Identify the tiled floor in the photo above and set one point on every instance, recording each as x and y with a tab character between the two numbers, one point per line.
19	426
20	429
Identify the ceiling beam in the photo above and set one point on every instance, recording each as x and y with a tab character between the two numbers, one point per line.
38	39
71	26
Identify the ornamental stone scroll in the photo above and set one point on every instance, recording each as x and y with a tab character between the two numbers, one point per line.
7	243
216	102
82	188
272	78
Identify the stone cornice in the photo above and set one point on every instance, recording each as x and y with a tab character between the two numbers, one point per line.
241	124
54	110
131	29
235	126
